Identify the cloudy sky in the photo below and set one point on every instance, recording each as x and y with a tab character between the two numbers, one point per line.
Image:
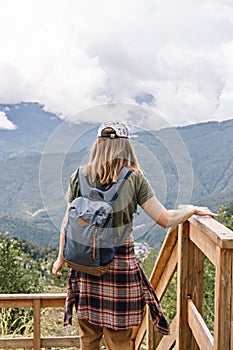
173	56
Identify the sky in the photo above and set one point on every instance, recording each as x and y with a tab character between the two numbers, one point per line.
174	57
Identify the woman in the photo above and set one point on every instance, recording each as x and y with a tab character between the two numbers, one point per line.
112	304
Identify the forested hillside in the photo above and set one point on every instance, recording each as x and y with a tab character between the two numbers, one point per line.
192	164
32	196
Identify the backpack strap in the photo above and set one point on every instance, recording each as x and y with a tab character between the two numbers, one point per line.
108	195
115	189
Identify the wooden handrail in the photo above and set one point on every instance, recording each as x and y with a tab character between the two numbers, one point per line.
183	251
36	302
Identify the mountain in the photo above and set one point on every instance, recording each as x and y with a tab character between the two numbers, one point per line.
209	147
29	230
191	164
35	127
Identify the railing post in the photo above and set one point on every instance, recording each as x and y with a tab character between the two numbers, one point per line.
132	346
195	283
150	334
223	300
37	328
182	288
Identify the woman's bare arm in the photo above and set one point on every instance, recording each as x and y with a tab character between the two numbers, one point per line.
170	218
57	266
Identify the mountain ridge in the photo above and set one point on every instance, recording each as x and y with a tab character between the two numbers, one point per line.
203	173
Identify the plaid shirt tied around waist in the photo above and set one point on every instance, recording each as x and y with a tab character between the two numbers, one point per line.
117	299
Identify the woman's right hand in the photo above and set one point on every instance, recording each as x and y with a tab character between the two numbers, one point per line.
204	211
57	266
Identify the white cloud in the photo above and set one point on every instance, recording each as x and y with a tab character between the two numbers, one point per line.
5	123
74	55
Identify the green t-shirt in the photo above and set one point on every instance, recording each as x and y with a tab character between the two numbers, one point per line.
136	190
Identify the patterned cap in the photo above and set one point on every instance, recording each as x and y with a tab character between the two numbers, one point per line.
121	130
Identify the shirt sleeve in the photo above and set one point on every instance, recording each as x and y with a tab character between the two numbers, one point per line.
144	190
72	191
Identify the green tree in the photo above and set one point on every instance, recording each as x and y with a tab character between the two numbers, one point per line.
209	294
169	300
148	263
19	273
225	216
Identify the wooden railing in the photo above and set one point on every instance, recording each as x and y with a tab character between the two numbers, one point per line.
36	302
183	250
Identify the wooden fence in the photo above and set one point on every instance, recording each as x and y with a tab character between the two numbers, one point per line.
184	250
36	302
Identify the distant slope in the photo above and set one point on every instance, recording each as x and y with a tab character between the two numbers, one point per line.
34	126
22	179
22	208
211	149
29	230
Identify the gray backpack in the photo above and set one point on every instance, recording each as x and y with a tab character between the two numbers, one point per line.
89	242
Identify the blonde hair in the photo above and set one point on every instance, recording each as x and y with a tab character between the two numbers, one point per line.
108	156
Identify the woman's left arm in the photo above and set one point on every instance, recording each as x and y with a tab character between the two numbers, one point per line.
170	218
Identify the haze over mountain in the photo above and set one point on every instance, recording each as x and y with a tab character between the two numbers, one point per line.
186	164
